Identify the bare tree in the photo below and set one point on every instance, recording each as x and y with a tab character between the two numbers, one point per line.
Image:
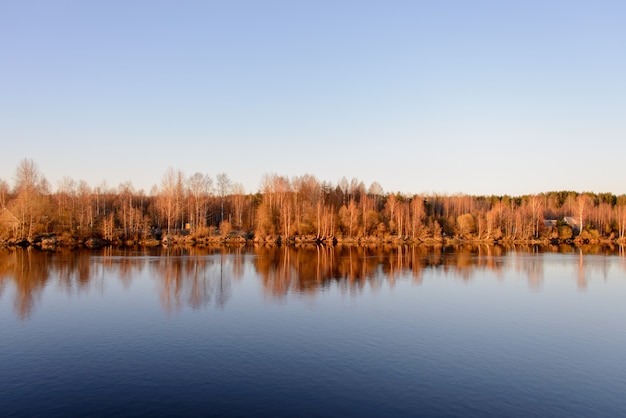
4	193
376	192
200	187
85	202
31	188
224	185
125	195
417	215
583	202
66	202
536	207
239	200
348	216
621	215
391	207
170	197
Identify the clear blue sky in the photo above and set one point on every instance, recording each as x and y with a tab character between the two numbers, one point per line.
478	97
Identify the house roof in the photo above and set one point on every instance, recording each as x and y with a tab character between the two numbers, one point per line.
571	221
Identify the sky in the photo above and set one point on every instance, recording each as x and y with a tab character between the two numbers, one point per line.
474	97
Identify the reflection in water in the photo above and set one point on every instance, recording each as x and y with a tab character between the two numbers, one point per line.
29	276
196	278
191	278
307	269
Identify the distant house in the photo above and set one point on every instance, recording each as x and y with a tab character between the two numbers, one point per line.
571	221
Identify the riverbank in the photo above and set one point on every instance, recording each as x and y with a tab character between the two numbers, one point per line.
52	242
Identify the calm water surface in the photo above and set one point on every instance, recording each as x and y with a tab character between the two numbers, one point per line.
399	331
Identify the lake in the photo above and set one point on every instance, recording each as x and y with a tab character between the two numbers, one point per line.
314	331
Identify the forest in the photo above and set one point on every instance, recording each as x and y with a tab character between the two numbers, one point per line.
199	209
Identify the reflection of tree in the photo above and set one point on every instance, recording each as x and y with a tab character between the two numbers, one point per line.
308	269
199	294
582	279
169	268
224	289
190	277
73	271
199	277
601	263
533	268
29	272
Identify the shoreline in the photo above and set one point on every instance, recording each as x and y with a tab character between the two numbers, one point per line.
53	242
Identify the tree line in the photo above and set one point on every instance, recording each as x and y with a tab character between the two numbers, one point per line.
200	208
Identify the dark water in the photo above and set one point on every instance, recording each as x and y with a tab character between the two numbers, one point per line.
399	331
